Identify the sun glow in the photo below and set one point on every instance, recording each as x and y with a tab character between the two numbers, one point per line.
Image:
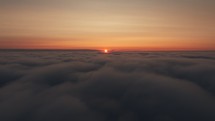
106	51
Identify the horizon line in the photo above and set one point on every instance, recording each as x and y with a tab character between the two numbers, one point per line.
116	50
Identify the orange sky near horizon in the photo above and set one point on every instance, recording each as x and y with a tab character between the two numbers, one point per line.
113	24
44	43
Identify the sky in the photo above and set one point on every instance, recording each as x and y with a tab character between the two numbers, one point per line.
113	24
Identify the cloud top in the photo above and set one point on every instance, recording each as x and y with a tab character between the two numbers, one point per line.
123	86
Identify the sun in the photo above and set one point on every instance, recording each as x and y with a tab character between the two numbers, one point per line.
106	51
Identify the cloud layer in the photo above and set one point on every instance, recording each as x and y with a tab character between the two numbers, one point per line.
121	86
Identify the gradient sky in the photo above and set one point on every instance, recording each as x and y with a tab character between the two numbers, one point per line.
114	24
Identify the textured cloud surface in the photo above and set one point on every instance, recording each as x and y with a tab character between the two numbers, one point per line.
121	86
